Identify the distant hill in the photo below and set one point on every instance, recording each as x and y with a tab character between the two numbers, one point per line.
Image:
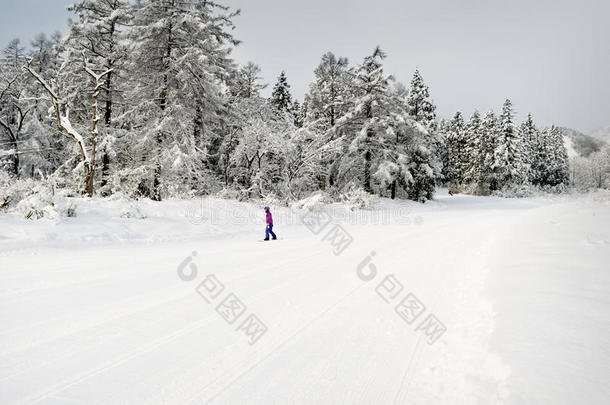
603	134
579	144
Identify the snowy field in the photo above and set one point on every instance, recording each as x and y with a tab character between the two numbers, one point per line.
473	300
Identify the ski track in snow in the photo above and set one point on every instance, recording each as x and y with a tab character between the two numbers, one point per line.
109	321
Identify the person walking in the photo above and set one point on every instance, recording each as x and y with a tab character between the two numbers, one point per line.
269	221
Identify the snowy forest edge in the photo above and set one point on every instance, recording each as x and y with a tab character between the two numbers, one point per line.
145	101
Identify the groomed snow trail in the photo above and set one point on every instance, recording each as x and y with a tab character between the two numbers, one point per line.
101	316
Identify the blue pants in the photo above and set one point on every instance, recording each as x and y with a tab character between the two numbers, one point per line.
268	231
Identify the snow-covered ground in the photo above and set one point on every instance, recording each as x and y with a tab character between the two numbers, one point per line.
107	309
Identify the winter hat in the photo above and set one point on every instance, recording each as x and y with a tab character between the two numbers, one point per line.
266	208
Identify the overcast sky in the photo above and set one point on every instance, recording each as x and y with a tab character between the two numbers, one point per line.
550	57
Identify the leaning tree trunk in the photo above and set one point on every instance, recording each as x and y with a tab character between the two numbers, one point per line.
62	117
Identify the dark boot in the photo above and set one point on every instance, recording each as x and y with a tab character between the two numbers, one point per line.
274	238
266	239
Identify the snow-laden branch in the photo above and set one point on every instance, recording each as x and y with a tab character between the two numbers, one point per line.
63	120
43	82
97	79
66	126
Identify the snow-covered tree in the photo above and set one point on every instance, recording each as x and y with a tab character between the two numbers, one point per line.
593	171
421	107
529	134
247	82
328	96
600	168
305	155
97	36
443	150
474	134
180	67
419	166
153	105
387	150
370	119
296	113
13	109
61	109
45	53
281	97
508	155
327	100
419	103
257	159
556	163
486	157
456	143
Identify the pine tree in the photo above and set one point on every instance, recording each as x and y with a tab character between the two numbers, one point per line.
488	182
180	66
418	165
419	104
328	94
456	142
371	87
528	134
296	113
508	155
473	134
537	150
387	148
558	163
550	158
327	100
247	81
422	109
281	97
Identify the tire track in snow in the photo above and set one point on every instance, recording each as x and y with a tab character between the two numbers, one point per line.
461	364
121	304
67	383
270	353
291	337
119	361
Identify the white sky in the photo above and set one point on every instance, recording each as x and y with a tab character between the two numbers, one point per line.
550	57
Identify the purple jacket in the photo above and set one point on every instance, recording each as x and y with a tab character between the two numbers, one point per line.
269	218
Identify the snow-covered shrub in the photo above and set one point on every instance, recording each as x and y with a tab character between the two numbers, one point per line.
558	189
272	200
129	182
35	199
601	196
472	188
133	211
69	174
34	207
314	202
41	204
358	199
515	191
186	182
232	194
69	210
5	193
